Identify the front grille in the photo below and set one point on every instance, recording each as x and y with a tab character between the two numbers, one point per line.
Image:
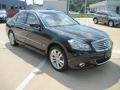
102	45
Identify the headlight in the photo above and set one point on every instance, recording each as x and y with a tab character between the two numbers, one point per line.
79	45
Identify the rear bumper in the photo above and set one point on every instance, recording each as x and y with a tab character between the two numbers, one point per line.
89	58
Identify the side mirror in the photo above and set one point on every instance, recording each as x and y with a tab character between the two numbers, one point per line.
36	26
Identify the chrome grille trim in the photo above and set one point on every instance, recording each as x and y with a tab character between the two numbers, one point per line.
102	45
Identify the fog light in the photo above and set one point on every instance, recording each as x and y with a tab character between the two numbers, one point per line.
82	64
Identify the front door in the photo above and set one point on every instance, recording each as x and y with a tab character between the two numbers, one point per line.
35	36
20	26
118	10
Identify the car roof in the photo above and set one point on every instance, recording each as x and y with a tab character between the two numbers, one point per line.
39	11
2	11
104	12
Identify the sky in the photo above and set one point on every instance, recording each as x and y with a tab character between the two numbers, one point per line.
36	1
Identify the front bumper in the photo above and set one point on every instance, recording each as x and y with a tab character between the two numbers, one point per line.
97	58
117	22
2	19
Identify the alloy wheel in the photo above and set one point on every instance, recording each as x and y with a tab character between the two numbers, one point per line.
57	59
111	23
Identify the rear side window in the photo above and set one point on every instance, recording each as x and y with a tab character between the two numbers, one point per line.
21	18
99	13
32	19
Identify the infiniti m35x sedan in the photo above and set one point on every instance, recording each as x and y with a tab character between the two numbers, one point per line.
63	40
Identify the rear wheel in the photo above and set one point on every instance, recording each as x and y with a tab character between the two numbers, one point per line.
95	20
111	23
12	39
58	58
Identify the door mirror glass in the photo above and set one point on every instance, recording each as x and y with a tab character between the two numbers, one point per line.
36	26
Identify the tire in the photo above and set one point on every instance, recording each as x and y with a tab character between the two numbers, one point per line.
12	39
58	58
95	20
111	23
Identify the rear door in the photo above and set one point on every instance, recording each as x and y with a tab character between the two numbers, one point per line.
20	26
100	17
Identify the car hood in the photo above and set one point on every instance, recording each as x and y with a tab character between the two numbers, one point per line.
116	18
79	32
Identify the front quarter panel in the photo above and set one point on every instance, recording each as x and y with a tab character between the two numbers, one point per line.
10	24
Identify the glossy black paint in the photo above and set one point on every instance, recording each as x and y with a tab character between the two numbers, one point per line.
43	38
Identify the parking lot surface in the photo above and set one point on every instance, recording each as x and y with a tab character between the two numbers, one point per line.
23	69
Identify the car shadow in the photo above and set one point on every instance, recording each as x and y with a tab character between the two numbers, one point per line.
118	26
25	54
95	78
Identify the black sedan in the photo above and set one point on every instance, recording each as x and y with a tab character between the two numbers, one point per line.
62	39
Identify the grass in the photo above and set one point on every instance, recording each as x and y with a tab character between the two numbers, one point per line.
77	15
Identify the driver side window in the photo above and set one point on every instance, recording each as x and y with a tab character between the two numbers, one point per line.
32	19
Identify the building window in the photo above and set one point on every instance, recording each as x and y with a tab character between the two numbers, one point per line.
3	6
118	9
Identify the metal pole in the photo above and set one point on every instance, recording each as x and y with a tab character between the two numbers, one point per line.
25	4
33	4
67	6
85	6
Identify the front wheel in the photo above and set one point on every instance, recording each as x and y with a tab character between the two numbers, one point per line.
58	59
95	20
111	23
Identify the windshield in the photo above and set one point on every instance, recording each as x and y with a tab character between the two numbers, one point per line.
113	14
51	19
2	13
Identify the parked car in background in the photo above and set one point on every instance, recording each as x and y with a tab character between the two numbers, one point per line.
11	12
108	17
3	16
61	38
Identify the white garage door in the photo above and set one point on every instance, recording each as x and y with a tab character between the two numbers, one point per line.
60	5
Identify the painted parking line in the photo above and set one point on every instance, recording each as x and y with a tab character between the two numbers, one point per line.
38	70
31	75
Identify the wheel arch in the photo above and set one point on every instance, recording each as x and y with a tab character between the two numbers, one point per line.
110	20
95	18
10	30
56	44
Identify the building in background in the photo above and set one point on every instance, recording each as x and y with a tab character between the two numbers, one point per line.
5	4
107	5
61	5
